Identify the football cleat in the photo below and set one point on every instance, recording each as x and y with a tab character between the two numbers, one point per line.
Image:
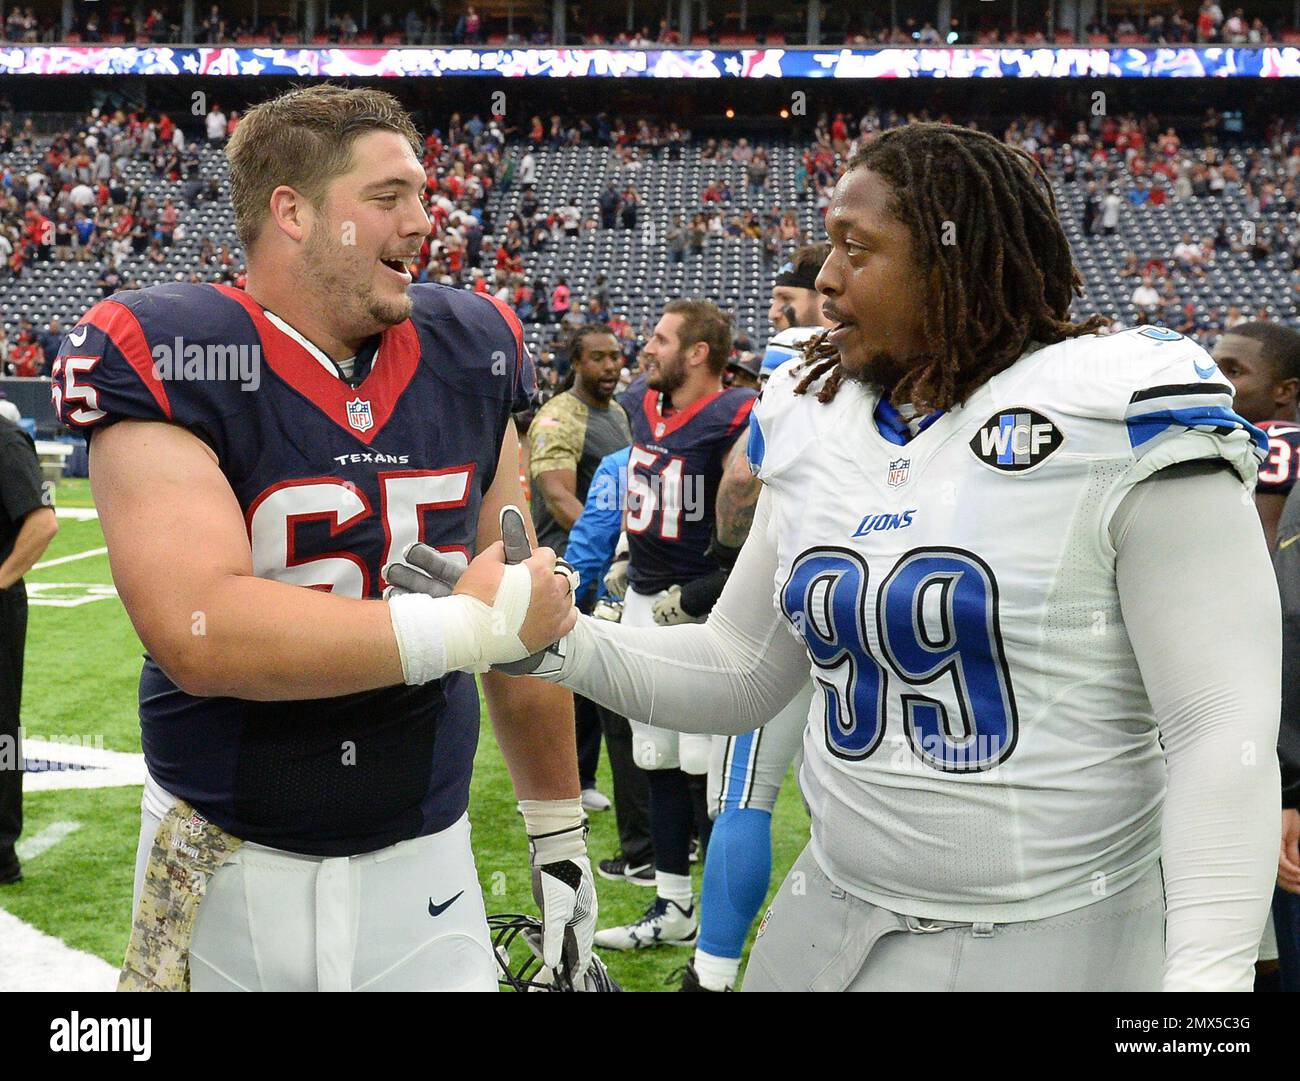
525	970
665	923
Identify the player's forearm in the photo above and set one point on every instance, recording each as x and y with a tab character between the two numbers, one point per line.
34	536
1202	612
737	500
565	507
533	724
729	675
256	639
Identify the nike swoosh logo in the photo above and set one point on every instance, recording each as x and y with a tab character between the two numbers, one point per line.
438	910
1288	542
1205	373
78	337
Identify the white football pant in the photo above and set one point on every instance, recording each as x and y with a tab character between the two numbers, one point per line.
662	748
409	917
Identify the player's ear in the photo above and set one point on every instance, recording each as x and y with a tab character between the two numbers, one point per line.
290	212
1287	390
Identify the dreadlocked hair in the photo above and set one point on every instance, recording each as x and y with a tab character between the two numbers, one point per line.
1008	279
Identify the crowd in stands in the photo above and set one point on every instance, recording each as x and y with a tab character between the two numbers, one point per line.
1206	24
74	204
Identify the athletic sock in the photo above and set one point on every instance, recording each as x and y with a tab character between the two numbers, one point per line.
736	876
675	888
716	973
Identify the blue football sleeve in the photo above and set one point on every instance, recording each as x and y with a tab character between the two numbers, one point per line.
595	533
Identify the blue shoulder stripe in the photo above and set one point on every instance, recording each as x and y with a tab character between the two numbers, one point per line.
756	447
1144	427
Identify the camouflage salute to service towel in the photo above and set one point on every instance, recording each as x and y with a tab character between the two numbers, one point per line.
187	850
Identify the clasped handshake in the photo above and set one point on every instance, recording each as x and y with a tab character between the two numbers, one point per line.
506	610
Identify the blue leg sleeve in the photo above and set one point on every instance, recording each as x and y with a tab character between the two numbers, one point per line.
736	875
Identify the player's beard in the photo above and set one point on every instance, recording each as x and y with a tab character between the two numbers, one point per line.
667	377
345	285
883	370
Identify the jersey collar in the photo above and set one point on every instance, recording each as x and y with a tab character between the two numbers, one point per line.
362	411
890	423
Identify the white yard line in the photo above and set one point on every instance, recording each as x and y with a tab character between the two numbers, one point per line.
78	514
43	593
31	960
105	769
40	843
68	559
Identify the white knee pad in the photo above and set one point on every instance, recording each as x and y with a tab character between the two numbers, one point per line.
654	748
694	751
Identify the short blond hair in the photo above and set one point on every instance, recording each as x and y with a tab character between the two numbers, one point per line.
303	139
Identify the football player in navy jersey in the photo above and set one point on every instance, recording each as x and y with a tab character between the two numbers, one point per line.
685	429
258	459
1263	362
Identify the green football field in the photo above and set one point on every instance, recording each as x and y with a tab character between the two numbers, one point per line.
83	661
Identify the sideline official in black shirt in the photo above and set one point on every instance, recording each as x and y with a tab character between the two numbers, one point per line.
27	525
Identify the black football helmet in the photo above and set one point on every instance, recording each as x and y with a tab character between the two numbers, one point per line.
524	970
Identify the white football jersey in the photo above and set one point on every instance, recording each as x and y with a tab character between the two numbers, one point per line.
982	747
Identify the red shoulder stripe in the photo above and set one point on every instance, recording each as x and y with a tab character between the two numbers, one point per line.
742	414
119	324
516	328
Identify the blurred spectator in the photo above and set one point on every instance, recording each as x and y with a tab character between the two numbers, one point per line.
631	204
1145	296
610	203
216	125
676	240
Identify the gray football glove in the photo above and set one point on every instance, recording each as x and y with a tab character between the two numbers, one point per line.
426	570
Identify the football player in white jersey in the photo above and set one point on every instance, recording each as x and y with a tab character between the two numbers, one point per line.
1023	562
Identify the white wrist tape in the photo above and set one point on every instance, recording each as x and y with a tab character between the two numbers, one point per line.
460	633
554	828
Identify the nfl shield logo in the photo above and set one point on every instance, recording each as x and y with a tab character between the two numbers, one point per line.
659	431
898	472
359	416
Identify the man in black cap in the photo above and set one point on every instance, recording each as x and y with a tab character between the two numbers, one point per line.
743	370
795	301
27	525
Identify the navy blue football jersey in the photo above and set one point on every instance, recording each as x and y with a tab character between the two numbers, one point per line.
1277	476
674	470
334	482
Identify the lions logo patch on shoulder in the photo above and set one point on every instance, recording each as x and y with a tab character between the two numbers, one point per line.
1016	440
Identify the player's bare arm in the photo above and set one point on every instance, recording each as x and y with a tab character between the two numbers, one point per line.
38	529
213	626
532	720
737	497
559	488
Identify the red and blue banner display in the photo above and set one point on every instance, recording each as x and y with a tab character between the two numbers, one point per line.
760	63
